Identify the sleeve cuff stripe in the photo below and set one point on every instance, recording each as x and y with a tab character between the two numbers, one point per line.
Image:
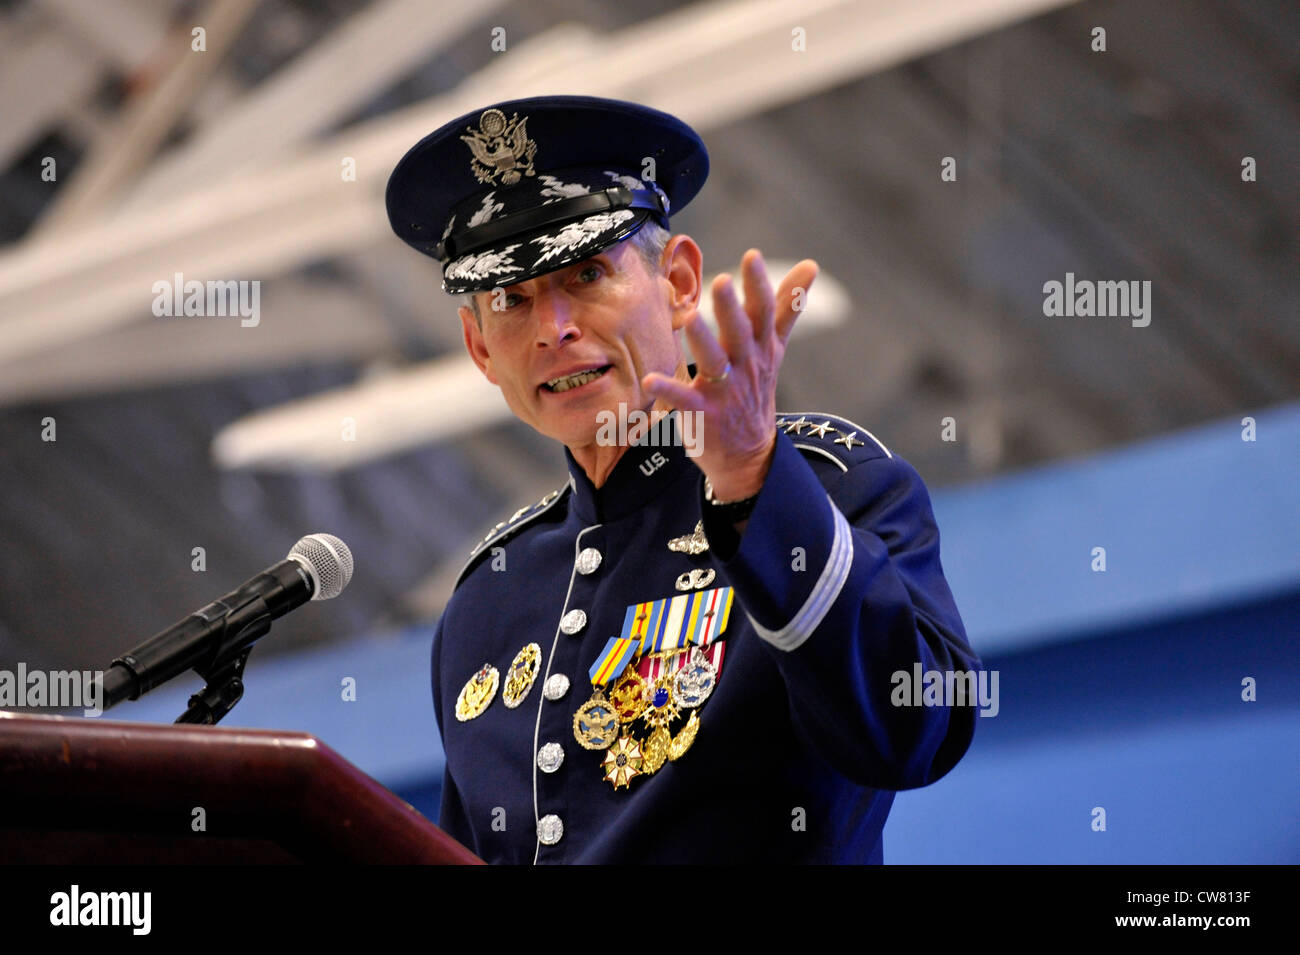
824	593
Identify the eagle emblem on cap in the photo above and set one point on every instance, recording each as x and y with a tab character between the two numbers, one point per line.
501	148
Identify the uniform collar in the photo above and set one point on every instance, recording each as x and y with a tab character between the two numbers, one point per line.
646	469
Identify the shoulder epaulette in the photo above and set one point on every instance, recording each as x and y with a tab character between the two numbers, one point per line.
511	526
830	436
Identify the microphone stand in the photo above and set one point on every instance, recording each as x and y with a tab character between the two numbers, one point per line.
224	673
222	669
215	640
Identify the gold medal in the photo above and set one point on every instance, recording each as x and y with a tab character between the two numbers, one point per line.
477	693
623	762
684	738
660	709
629	695
519	678
655	751
595	725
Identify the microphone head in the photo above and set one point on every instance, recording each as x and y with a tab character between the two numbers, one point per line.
328	561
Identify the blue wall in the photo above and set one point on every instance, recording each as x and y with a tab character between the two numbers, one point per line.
1147	723
1120	690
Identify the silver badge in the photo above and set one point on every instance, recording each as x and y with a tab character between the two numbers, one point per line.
694	682
696	579
693	543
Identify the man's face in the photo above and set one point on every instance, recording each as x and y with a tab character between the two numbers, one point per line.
610	314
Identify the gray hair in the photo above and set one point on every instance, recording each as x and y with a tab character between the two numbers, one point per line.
649	240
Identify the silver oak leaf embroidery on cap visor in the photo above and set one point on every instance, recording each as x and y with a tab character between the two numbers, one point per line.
482	264
576	233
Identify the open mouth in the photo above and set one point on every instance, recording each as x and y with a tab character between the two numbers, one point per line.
576	380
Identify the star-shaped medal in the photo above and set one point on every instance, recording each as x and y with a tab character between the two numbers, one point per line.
623	761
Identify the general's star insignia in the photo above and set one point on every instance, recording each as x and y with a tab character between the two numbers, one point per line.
819	430
796	426
848	440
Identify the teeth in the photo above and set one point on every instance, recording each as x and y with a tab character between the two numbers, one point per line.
573	381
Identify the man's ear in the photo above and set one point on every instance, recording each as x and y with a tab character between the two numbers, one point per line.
682	267
474	343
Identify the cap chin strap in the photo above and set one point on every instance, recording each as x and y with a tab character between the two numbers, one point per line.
464	241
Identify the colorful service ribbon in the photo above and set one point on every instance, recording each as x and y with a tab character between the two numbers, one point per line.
694	619
618	651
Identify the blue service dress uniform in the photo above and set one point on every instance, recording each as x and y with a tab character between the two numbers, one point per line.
837	585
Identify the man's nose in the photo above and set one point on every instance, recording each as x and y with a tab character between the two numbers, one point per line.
554	315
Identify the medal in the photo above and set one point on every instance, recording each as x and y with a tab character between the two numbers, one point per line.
477	693
693	683
519	678
666	662
623	761
595	725
662	709
684	738
629	696
656	749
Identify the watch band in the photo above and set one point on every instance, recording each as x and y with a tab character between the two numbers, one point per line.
733	511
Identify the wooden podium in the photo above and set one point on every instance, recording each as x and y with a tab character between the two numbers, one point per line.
95	791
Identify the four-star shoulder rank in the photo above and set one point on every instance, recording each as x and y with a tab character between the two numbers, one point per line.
830	436
814	433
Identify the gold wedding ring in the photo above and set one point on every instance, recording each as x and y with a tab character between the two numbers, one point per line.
715	379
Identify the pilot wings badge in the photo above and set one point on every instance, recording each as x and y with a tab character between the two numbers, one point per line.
501	148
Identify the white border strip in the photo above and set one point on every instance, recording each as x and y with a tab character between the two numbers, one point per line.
824	593
541	696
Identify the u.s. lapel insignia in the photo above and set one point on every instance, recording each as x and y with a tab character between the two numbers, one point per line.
693	543
477	693
519	678
501	147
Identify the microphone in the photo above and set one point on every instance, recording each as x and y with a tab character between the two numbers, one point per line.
318	567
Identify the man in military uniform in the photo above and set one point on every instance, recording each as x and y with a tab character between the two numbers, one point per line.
690	652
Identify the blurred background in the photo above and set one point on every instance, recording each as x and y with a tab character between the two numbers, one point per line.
250	141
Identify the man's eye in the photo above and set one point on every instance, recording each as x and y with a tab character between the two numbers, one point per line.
511	300
588	274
